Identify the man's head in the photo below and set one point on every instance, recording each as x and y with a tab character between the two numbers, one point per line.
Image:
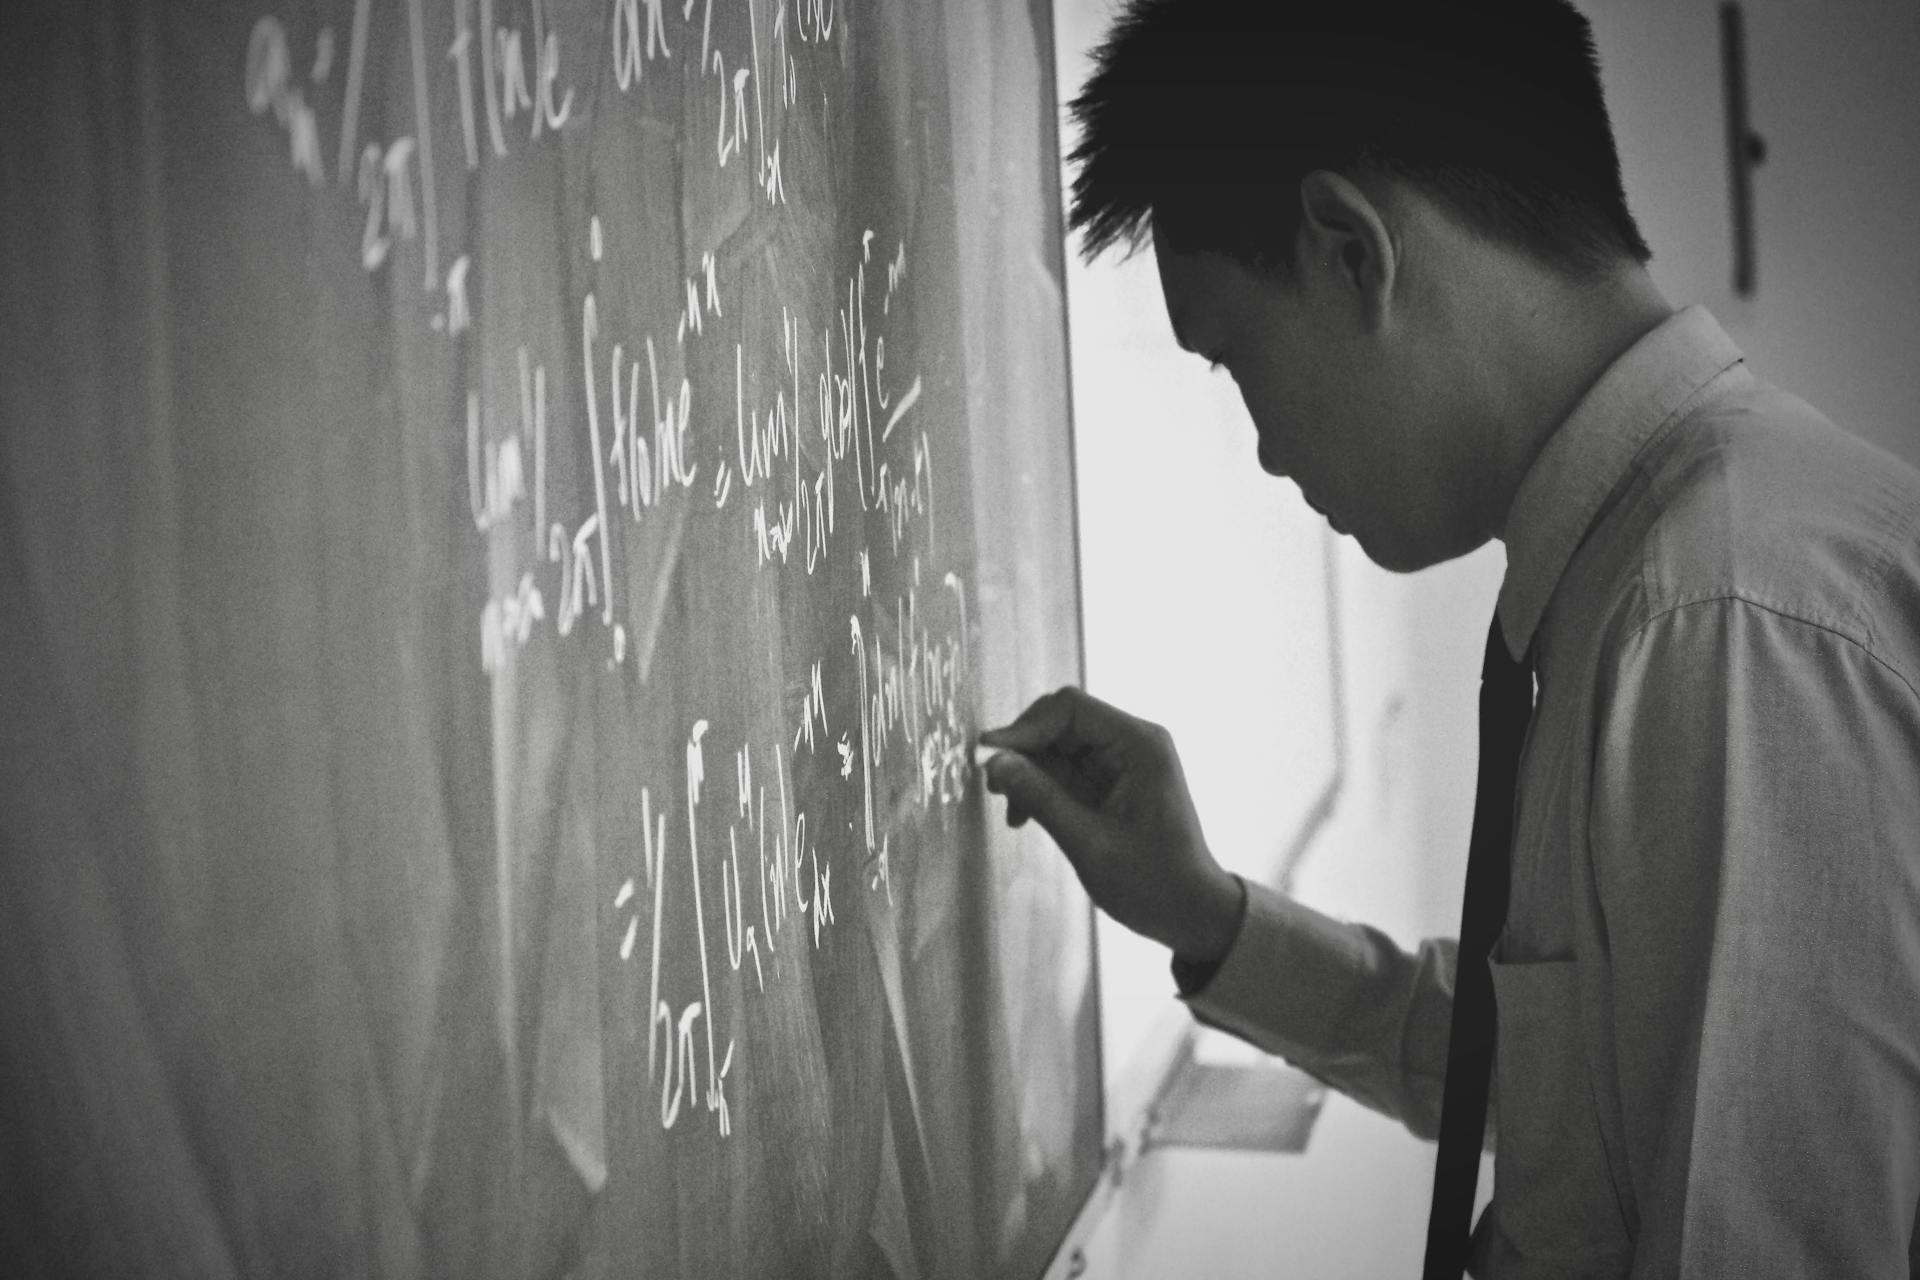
1349	203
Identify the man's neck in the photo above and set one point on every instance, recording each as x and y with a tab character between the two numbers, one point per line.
1550	340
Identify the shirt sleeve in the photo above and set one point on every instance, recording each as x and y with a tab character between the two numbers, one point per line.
1755	844
1340	1001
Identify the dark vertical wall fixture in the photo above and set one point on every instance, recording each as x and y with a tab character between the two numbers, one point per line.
1745	148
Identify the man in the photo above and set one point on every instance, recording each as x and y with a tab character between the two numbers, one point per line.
1400	228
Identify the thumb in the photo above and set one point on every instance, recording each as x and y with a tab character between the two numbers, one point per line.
1030	789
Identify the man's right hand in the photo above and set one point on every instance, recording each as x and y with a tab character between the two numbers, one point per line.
1109	789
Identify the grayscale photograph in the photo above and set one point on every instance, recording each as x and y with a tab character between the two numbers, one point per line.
960	639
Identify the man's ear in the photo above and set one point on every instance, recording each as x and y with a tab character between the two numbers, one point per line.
1344	241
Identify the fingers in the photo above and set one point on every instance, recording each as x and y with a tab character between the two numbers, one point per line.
1066	775
1031	792
1068	720
1035	729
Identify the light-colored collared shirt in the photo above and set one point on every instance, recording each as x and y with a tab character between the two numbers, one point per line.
1709	984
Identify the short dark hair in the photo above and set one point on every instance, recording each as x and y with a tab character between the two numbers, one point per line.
1202	116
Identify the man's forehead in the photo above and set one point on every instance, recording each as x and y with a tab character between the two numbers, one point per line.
1190	296
1177	315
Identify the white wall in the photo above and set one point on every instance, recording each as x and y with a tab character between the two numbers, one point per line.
1204	593
1836	319
1353	1206
1204	596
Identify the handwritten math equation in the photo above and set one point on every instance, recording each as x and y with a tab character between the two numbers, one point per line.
813	431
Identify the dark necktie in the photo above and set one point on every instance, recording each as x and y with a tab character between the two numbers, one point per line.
1506	704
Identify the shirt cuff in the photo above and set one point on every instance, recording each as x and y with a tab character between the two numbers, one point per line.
1190	976
1286	982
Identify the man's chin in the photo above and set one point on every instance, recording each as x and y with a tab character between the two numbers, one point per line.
1403	557
1392	557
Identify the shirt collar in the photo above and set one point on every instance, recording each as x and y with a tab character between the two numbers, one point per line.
1588	455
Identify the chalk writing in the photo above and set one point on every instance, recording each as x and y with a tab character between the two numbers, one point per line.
459	312
270	87
417	45
496	480
791	878
506	623
628	25
823	454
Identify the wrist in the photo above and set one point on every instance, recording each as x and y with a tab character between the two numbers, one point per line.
1217	922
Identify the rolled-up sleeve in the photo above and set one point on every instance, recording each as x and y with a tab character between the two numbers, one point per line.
1755	844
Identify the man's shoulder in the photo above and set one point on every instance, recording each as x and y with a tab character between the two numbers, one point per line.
1760	498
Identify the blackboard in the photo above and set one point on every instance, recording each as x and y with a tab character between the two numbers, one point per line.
511	512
